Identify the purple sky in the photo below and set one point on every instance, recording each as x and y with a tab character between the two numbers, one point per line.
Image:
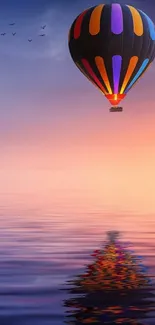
52	119
39	80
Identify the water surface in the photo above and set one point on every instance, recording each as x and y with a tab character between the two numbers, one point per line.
41	249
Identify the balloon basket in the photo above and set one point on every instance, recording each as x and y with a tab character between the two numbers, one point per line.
116	109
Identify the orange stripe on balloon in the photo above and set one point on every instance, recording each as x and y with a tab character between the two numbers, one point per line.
78	24
94	23
148	66
102	69
130	70
137	21
92	74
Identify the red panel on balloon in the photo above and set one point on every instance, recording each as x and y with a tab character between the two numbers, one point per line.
115	99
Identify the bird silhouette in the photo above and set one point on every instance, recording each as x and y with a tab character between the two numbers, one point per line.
30	40
3	34
13	34
43	27
12	24
42	35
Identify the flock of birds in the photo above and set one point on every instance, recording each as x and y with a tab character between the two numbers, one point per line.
29	39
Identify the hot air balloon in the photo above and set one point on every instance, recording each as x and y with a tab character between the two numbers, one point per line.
112	45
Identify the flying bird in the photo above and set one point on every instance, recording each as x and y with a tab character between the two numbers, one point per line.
2	34
12	24
42	35
13	34
43	27
30	40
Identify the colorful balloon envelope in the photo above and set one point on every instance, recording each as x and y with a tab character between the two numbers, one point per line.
112	45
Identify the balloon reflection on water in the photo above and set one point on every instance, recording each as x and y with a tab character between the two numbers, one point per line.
112	290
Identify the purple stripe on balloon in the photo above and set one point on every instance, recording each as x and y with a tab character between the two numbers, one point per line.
116	19
116	65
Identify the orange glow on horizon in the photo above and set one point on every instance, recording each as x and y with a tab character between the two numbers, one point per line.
94	159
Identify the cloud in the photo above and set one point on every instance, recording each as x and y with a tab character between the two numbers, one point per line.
52	46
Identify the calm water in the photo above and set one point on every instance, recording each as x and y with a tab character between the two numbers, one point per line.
40	250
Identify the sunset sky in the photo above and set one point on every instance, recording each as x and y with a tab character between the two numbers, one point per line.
58	140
